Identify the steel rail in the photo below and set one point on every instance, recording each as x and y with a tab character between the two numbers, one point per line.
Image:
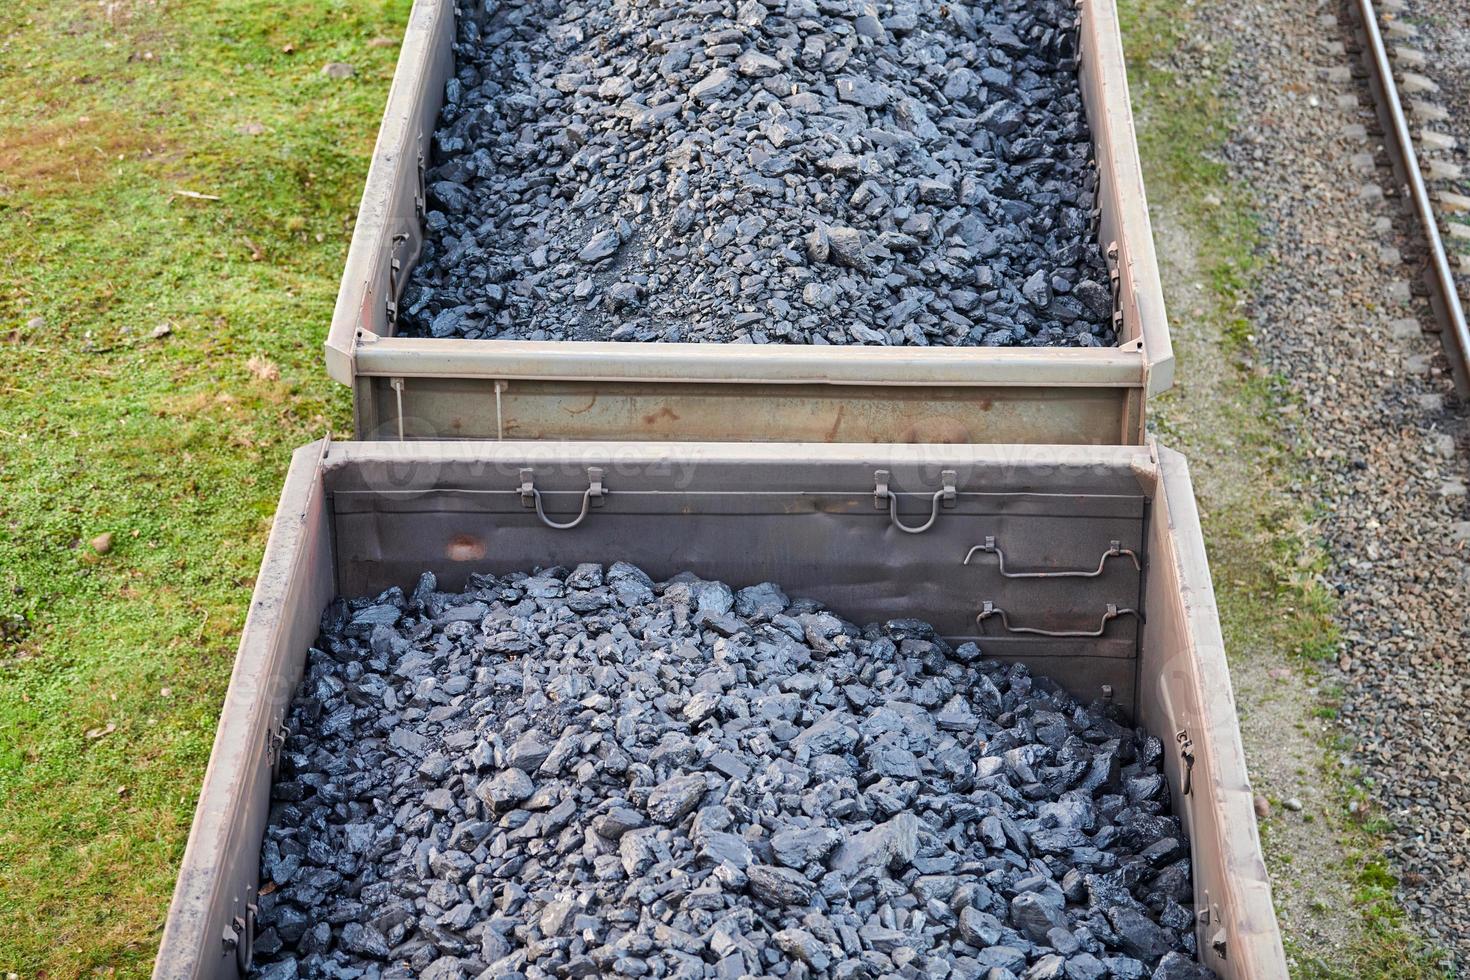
1444	295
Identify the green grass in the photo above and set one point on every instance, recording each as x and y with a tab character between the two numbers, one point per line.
175	445
1267	565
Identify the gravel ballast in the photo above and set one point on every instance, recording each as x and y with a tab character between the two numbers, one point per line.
586	773
771	171
1365	397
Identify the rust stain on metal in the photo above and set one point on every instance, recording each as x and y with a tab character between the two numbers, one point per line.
464	547
836	423
591	401
653	418
937	429
829	505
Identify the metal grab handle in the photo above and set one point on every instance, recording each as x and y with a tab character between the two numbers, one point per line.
1115	551
933	514
945	494
239	937
532	497
990	609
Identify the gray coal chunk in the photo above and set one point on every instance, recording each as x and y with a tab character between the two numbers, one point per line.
861	91
1033	916
1036	290
719	847
675	798
505	789
1050	967
409	741
846	246
617	822
1176	966
452	865
600	246
797	848
444	968
1138	935
832	732
364	940
781	887
556	915
818	244
802	945
528	752
638	851
366	619
757	64
1097	298
889	845
1085	966
1007	958
439	800
713	86
979	929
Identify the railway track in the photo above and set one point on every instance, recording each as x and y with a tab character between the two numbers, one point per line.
1385	51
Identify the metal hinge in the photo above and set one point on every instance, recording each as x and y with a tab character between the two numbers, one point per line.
1115	277
239	936
1186	756
592	496
1210	914
883	496
420	197
395	272
275	742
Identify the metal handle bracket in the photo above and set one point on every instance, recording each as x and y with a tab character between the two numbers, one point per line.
1115	278
395	276
275	743
1186	756
592	496
946	495
239	936
1115	550
421	196
989	609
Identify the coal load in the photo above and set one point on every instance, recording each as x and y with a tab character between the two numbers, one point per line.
904	172
586	773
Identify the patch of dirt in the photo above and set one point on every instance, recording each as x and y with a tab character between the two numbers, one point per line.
63	157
